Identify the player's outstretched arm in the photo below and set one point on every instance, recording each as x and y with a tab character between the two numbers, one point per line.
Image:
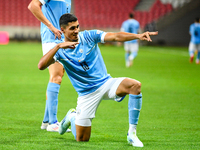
124	36
35	7
47	59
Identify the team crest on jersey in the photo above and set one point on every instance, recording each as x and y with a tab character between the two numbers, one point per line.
98	31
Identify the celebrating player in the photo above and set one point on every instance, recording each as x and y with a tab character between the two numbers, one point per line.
49	17
83	62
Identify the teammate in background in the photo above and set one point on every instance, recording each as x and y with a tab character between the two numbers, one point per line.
83	62
48	12
131	47
195	40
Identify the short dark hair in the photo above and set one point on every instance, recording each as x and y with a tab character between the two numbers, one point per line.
131	15
66	18
197	19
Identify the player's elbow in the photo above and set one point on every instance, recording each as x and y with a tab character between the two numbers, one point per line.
30	6
33	6
41	66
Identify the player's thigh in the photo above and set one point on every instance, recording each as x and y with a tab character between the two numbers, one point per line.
198	47
128	86
134	47
192	47
56	69
127	47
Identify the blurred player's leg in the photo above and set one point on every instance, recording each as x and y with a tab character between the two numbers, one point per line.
198	54
198	57
134	51
127	59
127	54
191	51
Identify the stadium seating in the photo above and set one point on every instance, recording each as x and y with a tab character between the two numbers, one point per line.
91	13
16	13
111	14
101	13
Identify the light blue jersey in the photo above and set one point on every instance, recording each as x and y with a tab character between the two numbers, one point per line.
53	10
131	26
195	33
84	64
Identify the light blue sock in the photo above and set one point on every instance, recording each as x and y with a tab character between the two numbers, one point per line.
73	126
46	114
191	53
134	107
126	56
198	55
52	96
133	54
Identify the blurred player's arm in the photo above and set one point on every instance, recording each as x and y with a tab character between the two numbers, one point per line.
48	59
35	7
124	36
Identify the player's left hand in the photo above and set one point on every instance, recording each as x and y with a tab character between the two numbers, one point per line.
146	36
56	32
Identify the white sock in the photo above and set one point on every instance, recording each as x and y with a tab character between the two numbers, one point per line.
132	128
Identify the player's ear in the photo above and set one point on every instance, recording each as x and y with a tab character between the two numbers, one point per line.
62	29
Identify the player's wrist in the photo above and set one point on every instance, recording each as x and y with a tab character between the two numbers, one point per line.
50	26
58	46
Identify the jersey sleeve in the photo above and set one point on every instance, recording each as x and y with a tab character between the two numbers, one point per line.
190	31
97	35
138	27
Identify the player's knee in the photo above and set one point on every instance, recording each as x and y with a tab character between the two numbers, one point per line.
136	88
56	79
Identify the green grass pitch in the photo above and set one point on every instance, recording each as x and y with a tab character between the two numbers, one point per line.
169	119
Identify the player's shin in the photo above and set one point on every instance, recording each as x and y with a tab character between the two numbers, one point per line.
134	107
52	96
198	57
127	59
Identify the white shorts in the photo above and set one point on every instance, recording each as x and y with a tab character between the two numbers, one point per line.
193	47
131	47
46	47
87	105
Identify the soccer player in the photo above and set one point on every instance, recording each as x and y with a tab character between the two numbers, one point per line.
83	62
195	40
48	12
131	47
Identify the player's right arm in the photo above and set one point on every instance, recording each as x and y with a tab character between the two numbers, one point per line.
48	59
124	36
35	7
